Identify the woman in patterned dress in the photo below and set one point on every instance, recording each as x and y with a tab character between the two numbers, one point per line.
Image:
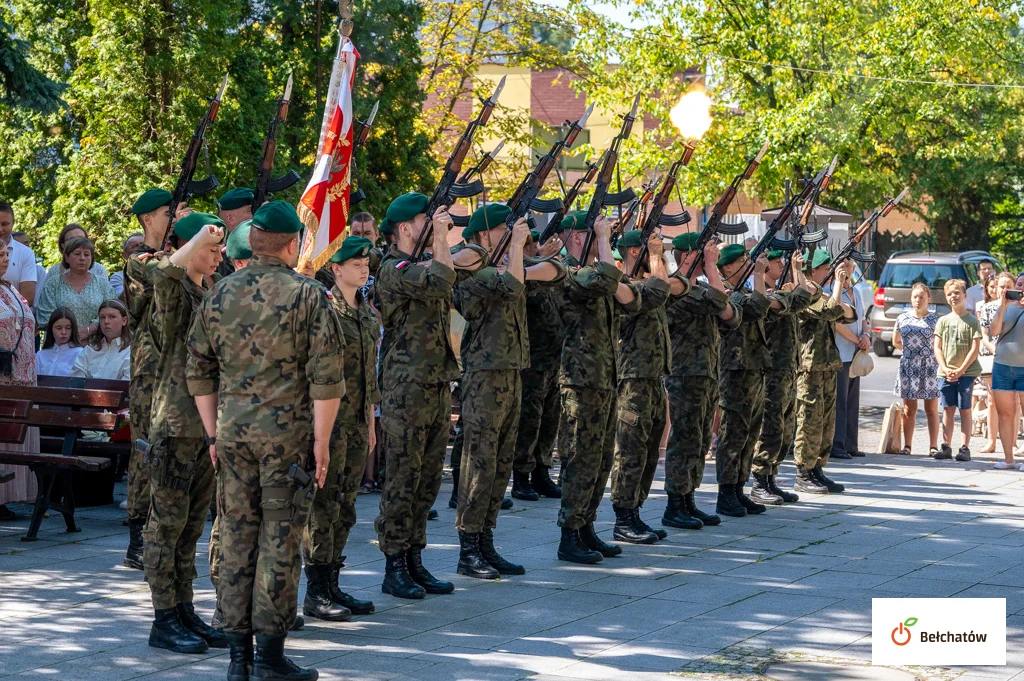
17	367
917	377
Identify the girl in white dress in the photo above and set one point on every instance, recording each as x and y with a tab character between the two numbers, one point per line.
60	346
107	355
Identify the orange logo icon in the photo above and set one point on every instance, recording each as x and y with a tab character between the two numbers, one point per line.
901	635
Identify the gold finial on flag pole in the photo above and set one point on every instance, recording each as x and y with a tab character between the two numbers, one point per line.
345	12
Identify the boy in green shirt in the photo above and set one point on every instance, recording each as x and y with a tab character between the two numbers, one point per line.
957	341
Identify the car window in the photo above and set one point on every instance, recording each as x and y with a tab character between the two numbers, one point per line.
906	274
971	267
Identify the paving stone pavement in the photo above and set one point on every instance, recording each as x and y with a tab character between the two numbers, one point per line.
793	583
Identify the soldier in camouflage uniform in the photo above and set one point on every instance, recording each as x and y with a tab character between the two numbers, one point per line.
645	358
816	379
153	211
234	208
694	320
182	473
334	514
595	296
265	368
495	348
779	423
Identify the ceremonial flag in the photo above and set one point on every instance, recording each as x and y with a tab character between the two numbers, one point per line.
324	205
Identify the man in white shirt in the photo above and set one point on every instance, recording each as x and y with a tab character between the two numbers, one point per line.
21	272
976	293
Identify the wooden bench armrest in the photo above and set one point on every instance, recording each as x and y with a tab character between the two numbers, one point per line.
83	463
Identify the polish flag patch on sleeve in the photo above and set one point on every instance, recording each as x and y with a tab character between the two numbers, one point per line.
401	265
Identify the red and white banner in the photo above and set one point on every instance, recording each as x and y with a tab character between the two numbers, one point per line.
324	205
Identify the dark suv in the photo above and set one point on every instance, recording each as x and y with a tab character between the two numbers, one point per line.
906	268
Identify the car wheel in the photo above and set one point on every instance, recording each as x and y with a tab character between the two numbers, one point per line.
882	349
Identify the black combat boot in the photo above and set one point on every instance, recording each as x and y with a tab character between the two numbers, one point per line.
753	508
191	621
521	488
709	519
168	632
471	563
787	497
627	531
833	487
678	515
495	559
807	482
762	491
543	484
297	624
318	603
572	549
432	514
453	501
660	534
339	597
727	503
397	580
590	539
240	664
422	576
507	503
270	664
133	556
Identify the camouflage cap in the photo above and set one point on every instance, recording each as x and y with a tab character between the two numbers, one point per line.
486	217
730	254
352	247
277	216
238	247
774	254
821	257
239	197
189	226
685	242
630	239
574	220
150	200
404	208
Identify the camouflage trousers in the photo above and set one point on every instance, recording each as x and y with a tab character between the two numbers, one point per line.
416	419
181	489
490	413
641	423
261	523
815	417
586	445
692	402
538	420
333	514
778	427
742	401
140	396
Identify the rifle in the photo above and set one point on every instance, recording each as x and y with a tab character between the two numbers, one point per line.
479	169
265	184
634	210
562	206
850	249
186	187
358	139
656	218
714	224
448	188
533	183
800	236
601	197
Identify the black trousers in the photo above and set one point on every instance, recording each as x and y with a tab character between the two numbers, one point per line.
847	411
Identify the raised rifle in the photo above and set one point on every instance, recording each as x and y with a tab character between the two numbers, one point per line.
448	188
799	236
359	136
559	207
656	218
634	210
601	197
714	225
479	169
850	249
265	183
532	185
186	187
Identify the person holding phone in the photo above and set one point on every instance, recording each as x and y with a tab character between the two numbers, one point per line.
1008	367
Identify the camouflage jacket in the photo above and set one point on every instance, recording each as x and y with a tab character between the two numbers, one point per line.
591	315
781	327
415	302
175	299
544	322
817	335
268	342
138	295
644	350
693	326
745	348
360	328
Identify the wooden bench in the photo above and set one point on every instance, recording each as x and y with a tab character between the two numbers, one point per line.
59	410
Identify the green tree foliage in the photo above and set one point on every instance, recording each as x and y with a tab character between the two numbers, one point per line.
21	84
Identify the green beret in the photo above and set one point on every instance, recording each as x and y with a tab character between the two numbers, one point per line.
534	235
404	208
821	257
238	197
730	254
630	239
774	254
685	242
574	220
616	254
352	247
189	226
238	247
150	201
486	217
277	216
